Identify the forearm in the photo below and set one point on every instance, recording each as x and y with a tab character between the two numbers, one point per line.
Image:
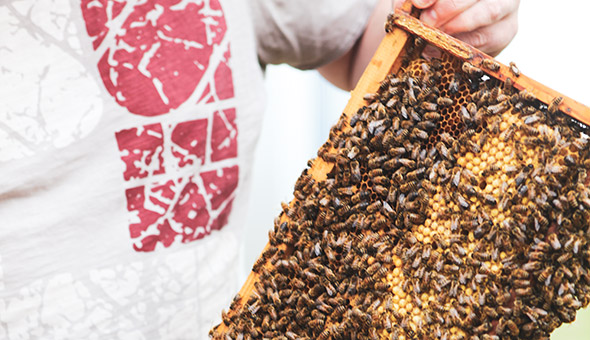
346	70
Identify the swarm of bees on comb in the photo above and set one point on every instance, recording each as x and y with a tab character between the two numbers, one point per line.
457	208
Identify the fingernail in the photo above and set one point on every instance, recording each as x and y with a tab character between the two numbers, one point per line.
429	17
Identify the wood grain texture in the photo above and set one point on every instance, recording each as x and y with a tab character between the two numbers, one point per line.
386	59
466	52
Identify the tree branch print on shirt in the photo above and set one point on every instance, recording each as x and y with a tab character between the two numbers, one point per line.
155	56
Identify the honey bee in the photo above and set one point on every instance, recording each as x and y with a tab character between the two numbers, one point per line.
564	258
429	106
325	334
446	138
456	178
455	259
522	190
432	116
347	191
394	81
490	170
530	131
397	178
569	160
370	97
490	200
521	274
497	109
508	83
531	266
411	96
454	84
470	176
512	327
482	256
471	70
380	190
376	161
391	102
419	134
404	162
444	101
428	186
468	119
554	105
413	218
396	152
572	199
372	269
416	174
514	69
527	96
374	207
508	133
532	119
491	65
554	241
409	186
461	201
443	150
355	170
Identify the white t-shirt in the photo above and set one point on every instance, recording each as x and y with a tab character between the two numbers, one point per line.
127	130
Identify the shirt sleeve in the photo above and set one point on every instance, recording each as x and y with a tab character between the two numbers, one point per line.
308	33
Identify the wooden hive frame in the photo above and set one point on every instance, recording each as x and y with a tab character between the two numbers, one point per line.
388	59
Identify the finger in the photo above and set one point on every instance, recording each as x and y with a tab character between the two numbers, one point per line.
422	4
445	10
492	39
482	14
430	52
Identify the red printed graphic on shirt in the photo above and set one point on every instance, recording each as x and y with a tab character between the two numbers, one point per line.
153	57
193	178
143	155
154	53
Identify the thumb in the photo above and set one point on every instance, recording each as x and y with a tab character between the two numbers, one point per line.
421	4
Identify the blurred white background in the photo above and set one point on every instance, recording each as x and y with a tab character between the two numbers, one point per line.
552	46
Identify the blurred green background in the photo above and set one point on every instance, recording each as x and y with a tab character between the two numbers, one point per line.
579	330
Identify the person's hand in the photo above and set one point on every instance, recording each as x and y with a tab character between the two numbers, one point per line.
488	25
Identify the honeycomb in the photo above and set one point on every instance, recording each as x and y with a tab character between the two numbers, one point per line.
457	208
